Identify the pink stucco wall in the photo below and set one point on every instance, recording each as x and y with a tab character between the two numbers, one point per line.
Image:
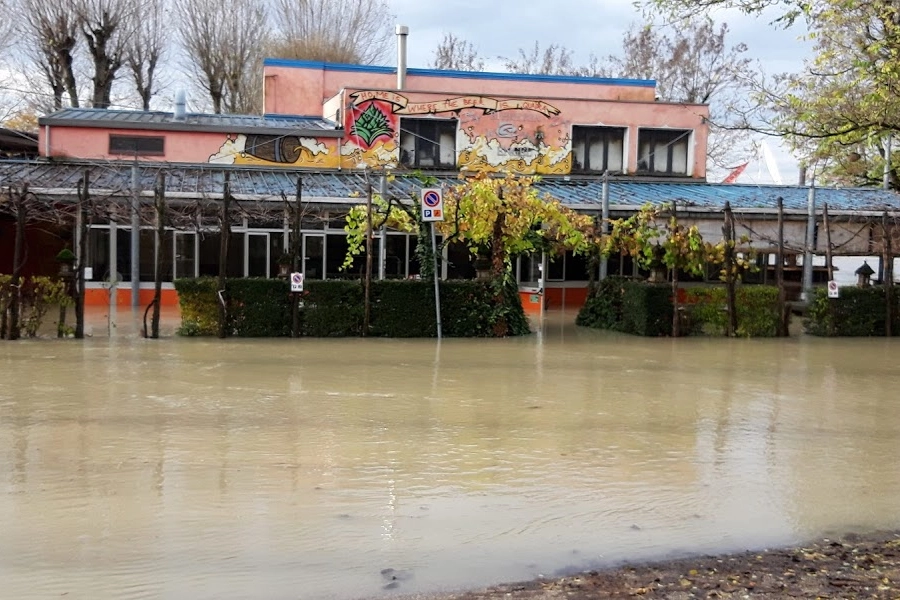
301	90
490	123
93	143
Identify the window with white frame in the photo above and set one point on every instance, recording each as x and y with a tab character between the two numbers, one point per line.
663	151
428	143
598	149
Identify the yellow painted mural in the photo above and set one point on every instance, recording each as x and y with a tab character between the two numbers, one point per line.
495	135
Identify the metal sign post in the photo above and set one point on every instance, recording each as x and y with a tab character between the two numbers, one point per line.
432	207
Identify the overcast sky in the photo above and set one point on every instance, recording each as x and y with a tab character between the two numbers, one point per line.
498	28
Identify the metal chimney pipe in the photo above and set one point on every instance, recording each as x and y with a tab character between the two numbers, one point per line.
402	32
180	105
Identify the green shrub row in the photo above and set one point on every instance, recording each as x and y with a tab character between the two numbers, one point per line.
856	312
630	306
335	308
645	309
757	310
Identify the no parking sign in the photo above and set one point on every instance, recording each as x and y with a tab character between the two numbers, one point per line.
833	290
432	205
296	282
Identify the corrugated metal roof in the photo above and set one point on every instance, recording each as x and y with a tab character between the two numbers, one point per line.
200	180
159	120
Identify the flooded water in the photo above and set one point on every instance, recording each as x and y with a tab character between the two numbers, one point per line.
196	468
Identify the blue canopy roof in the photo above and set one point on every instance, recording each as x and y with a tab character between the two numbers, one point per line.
349	186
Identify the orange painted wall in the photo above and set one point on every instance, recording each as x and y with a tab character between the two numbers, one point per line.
100	297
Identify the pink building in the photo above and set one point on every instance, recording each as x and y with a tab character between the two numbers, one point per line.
327	122
355	115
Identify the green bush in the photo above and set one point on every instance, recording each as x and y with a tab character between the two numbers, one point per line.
259	307
403	309
199	306
334	308
647	309
603	307
631	306
757	310
857	312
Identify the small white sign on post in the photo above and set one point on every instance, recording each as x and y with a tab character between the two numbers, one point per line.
833	289
432	205
296	282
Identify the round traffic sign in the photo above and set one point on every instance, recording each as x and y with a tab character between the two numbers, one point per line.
431	198
832	286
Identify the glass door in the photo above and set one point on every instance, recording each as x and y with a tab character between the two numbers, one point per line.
313	255
257	255
185	254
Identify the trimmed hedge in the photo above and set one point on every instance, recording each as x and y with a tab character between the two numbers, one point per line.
259	307
629	306
199	307
646	309
757	310
857	312
603	307
335	308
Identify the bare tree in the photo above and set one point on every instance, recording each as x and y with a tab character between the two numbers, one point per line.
695	65
7	25
50	31
146	48
107	25
223	43
345	31
552	60
456	54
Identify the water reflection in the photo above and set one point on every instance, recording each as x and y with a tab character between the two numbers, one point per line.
247	468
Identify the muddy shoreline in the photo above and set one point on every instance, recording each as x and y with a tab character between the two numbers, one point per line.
853	566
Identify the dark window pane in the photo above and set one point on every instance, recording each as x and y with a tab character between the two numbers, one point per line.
556	267
395	257
98	253
123	254
460	262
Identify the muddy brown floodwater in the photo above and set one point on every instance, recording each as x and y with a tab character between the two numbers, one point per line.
199	468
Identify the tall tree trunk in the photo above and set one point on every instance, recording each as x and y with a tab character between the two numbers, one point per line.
779	273
730	274
160	205
296	247
81	224
15	284
223	256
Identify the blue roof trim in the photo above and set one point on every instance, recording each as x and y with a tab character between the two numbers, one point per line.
311	64
529	77
317	64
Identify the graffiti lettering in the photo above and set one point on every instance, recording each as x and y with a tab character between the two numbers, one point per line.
402	105
507	130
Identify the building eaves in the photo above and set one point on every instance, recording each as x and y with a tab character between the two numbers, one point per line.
193	122
207	180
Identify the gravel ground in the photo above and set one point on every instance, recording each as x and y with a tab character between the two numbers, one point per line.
856	566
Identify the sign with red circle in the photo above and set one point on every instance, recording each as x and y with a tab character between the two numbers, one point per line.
432	205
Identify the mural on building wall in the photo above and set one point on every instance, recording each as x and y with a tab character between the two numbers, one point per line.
533	140
277	150
522	136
